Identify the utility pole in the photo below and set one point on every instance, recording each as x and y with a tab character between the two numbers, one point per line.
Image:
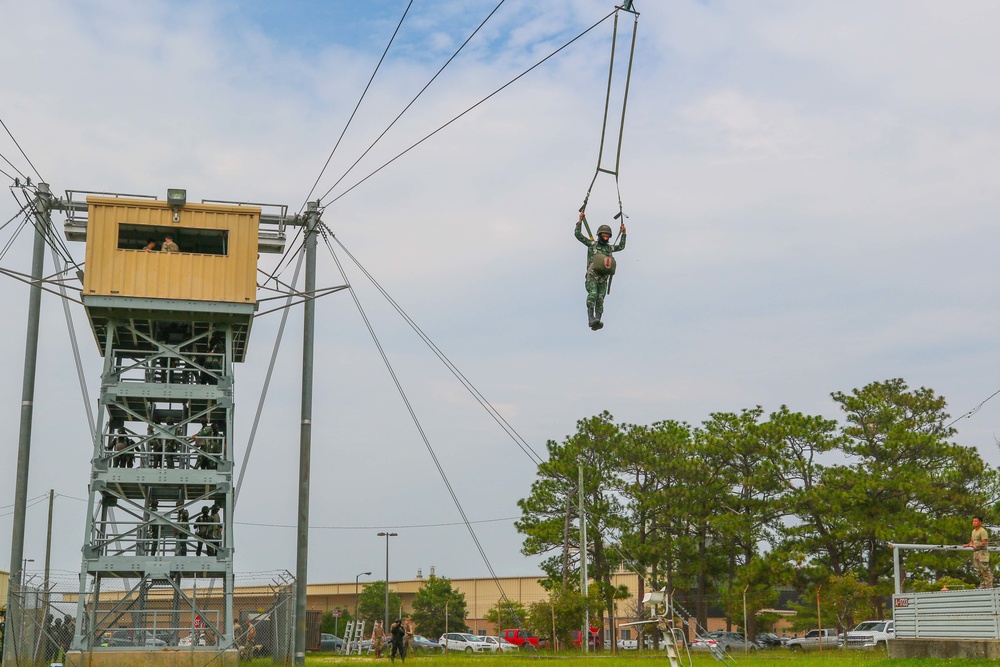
40	210
387	535
585	635
48	548
305	433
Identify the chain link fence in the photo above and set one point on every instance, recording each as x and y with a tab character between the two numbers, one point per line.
43	620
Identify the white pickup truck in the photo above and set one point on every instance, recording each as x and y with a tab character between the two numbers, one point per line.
813	639
870	634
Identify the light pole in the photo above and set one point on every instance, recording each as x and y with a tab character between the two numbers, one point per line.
387	535
24	567
356	595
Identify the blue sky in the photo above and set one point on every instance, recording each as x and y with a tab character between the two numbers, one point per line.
812	198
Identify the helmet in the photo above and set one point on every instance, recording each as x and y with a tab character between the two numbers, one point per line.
604	229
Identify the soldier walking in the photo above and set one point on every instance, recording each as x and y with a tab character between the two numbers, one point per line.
378	636
398	633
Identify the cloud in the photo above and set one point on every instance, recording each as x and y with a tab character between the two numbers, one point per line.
809	190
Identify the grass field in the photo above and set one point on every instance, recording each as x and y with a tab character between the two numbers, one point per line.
779	658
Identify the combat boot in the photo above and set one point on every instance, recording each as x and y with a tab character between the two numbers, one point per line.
596	323
590	317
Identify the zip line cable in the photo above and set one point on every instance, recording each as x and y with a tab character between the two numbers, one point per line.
974	410
413	416
77	359
358	105
10	241
5	173
267	381
379	527
15	216
285	259
22	151
495	92
471	388
407	107
12	166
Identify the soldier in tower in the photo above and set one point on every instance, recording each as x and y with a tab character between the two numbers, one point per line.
150	245
216	529
155	448
203	444
170	445
169	245
600	268
123	456
183	525
203	529
154	528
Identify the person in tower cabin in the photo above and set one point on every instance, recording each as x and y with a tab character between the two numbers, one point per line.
168	244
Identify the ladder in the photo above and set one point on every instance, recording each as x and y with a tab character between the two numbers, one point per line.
353	635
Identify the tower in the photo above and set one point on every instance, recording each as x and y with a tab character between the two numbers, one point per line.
170	319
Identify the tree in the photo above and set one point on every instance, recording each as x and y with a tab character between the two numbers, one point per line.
654	470
507	613
429	606
907	482
371	603
333	625
748	513
547	513
565	609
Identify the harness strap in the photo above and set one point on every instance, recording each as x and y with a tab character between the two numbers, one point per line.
626	6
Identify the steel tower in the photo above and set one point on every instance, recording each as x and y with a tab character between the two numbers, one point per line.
170	320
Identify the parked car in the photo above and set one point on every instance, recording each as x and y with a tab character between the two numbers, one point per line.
814	639
128	637
729	642
328	642
520	638
628	644
459	641
187	641
422	644
870	634
500	645
593	641
769	640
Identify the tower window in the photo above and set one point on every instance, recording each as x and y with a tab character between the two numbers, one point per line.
188	239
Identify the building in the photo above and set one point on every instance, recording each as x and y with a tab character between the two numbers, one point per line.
481	594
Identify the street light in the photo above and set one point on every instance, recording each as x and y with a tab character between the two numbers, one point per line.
368	574
387	535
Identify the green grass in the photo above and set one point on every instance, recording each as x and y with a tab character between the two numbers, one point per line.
777	658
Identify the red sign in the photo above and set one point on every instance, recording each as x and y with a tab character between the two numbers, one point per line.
902	602
336	613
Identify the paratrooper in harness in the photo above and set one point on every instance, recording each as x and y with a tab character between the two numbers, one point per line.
600	268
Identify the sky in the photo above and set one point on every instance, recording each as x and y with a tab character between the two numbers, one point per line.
811	199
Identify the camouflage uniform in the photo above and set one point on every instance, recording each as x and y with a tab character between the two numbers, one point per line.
597	285
981	557
378	636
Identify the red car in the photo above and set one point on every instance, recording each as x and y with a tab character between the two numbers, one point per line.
593	642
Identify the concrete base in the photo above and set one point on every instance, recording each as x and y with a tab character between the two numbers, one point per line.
154	658
976	649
